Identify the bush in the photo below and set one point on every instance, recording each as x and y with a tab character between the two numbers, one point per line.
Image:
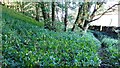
27	45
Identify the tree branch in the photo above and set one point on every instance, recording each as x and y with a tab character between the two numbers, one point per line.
104	12
95	9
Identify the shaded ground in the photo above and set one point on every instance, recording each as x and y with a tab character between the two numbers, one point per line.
103	52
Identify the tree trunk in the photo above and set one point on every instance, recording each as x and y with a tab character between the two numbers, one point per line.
66	14
37	11
44	13
85	23
78	15
53	13
22	7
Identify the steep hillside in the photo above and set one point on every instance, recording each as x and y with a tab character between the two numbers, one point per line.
28	45
25	44
11	14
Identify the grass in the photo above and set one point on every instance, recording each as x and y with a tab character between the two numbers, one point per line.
13	14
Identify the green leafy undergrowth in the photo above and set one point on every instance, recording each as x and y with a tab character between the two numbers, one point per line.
110	50
27	45
10	13
112	46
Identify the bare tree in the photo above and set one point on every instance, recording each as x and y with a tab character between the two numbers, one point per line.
66	14
91	20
